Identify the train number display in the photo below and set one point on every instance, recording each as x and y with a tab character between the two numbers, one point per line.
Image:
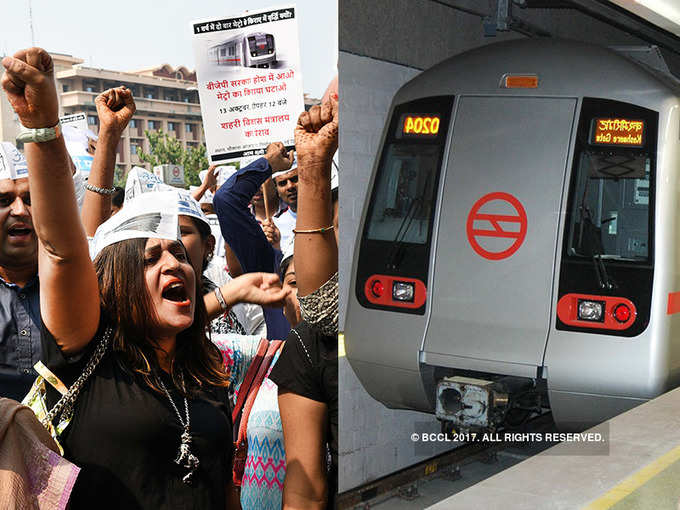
420	125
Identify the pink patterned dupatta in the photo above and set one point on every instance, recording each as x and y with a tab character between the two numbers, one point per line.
32	473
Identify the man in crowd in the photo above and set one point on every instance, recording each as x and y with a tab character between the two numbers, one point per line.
19	298
240	228
286	186
20	345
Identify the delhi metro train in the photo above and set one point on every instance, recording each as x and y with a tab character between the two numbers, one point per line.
256	49
519	247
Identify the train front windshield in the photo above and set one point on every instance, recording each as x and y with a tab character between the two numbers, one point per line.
404	197
609	238
611	206
261	44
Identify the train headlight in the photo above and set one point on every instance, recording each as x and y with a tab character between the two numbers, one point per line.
622	313
591	310
403	291
254	54
271	51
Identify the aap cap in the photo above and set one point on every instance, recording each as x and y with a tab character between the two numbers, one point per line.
149	215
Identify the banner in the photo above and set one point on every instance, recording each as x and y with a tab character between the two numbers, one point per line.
249	81
77	136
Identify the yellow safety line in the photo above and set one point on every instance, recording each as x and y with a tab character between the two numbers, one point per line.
341	345
634	481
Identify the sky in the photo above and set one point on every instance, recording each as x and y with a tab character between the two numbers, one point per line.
128	35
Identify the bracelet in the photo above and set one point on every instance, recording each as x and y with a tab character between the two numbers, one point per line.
29	135
220	299
101	191
314	230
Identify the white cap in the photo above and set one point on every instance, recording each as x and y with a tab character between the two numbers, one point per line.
143	182
12	162
152	215
140	180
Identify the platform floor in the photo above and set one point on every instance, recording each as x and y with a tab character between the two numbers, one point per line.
640	471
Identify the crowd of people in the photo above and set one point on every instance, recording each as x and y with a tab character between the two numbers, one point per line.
158	372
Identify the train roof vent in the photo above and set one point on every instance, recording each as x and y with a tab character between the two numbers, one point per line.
653	57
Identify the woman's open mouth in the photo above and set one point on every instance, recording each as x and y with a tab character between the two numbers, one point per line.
176	292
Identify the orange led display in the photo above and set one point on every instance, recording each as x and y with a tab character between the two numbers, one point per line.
420	125
622	132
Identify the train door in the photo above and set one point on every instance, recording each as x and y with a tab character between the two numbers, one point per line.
497	234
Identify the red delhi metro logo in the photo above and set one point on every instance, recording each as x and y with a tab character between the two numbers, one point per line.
508	221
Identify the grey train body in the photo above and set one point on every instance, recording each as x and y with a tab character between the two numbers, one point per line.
490	241
255	50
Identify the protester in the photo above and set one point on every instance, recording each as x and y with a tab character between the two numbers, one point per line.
241	230
20	345
286	186
208	184
307	371
249	315
117	199
19	291
265	466
257	203
159	388
115	108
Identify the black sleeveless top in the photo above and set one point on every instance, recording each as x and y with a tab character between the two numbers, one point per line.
125	437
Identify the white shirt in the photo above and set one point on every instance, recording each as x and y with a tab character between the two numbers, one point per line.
285	223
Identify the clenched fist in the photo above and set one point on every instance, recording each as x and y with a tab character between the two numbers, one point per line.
29	84
316	135
115	108
278	158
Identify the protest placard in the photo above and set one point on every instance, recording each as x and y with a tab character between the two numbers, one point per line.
249	81
76	135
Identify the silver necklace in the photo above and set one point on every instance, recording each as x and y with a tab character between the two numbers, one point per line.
185	458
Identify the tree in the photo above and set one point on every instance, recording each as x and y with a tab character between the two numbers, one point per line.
119	177
168	150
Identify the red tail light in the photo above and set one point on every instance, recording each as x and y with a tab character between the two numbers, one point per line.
622	313
377	288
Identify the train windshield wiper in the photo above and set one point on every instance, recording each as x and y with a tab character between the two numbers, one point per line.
593	237
398	242
594	242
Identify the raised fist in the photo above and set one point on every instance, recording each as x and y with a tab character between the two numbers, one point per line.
115	108
29	84
316	134
278	158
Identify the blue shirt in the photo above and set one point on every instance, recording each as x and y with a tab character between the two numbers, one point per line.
20	346
245	236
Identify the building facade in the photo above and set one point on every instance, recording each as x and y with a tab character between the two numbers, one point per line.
166	99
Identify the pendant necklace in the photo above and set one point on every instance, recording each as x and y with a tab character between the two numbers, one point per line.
185	458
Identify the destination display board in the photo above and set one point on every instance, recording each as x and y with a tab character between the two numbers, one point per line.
617	132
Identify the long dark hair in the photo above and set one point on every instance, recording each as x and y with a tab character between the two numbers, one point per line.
126	301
